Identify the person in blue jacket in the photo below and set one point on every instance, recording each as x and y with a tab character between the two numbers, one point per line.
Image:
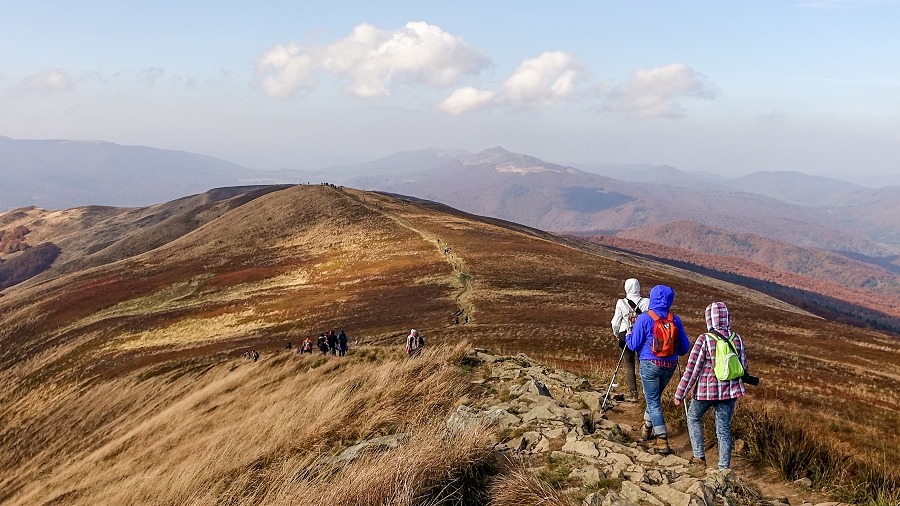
656	371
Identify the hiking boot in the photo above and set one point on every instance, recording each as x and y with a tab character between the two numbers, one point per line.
647	432
632	397
661	446
694	461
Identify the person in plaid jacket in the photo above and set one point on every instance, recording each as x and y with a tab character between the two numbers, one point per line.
707	391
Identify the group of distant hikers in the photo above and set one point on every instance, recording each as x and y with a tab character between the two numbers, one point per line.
328	343
648	332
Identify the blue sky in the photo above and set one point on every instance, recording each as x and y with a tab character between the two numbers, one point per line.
726	87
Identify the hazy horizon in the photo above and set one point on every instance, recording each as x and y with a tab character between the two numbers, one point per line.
721	88
597	167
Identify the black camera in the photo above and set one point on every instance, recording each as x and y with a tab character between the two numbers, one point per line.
750	379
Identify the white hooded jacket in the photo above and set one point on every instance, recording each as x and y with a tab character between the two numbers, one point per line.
620	320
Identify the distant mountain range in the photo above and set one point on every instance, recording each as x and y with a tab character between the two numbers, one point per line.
808	211
527	190
59	174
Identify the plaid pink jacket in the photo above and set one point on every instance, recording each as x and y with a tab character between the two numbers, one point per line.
700	378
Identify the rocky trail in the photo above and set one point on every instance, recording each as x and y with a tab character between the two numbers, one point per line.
549	419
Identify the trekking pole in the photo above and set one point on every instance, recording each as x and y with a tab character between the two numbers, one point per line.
684	401
609	389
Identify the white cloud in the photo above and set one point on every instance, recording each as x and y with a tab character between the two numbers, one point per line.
542	81
47	81
372	59
467	99
655	93
536	82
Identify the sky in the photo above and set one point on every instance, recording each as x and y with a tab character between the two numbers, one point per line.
723	87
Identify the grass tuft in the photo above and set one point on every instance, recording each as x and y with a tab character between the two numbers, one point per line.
521	487
776	438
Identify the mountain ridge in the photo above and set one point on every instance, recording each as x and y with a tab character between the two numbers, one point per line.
135	365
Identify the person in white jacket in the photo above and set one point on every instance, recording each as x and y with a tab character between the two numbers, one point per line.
627	310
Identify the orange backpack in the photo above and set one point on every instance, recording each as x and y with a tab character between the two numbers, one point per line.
665	334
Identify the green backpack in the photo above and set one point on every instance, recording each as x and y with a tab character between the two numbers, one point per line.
728	363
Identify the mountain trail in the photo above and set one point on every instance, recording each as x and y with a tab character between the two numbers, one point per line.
766	482
548	419
463	296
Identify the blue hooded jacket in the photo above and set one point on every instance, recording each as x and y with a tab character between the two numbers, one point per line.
641	336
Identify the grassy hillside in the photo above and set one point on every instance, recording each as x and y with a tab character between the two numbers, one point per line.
95	235
132	367
224	430
812	263
876	306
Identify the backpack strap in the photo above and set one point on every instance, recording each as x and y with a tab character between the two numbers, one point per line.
718	336
669	317
634	307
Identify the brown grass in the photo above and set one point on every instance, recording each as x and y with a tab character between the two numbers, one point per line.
238	432
778	438
521	487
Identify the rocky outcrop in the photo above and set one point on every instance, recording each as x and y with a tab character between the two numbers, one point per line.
550	418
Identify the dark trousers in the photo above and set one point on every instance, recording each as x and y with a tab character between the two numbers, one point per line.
630	362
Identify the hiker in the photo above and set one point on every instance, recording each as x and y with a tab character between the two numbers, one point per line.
307	346
627	310
255	355
289	346
332	342
414	343
707	390
342	343
322	344
658	338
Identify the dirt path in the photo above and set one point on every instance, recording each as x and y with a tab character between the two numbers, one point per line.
766	481
463	296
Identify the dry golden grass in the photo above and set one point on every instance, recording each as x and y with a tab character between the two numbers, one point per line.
237	432
521	487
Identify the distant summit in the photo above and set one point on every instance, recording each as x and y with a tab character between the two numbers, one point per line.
516	163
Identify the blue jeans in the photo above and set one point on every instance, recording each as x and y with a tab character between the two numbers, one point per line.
724	410
655	379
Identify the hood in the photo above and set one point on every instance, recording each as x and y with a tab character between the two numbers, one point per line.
632	287
661	297
717	317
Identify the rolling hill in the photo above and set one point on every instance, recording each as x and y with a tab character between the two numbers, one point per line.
127	379
96	235
857	306
816	264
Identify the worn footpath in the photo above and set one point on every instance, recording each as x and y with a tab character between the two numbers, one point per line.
549	419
